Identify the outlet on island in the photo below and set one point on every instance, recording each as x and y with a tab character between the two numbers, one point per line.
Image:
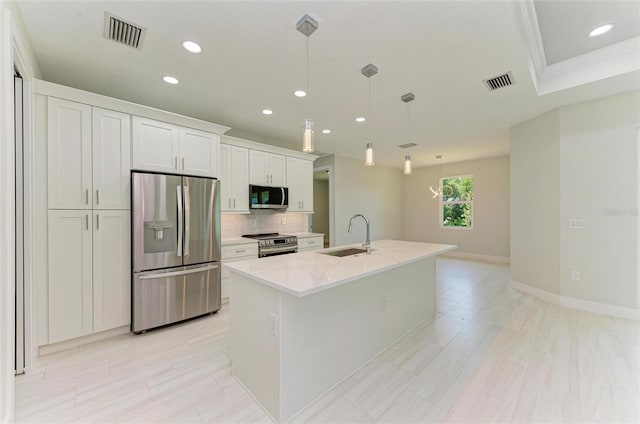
283	221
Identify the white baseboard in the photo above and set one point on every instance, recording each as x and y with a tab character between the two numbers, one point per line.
579	304
477	257
73	343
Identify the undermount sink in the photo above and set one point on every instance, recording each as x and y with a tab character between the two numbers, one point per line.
344	252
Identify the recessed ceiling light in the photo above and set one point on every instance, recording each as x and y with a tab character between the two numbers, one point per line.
299	93
327	131
267	111
192	47
170	80
600	30
360	119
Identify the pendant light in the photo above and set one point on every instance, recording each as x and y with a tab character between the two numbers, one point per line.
307	26
441	191
369	71
407	98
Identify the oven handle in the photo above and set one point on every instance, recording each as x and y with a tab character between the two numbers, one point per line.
292	249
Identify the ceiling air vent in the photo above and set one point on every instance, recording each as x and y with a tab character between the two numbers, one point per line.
500	81
407	145
123	32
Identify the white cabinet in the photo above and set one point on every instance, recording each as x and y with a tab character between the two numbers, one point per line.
162	147
111	162
89	272
310	243
87	168
234	178
70	285
69	154
300	183
111	269
155	145
267	169
199	153
234	253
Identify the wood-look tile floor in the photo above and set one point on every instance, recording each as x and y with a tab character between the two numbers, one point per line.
491	354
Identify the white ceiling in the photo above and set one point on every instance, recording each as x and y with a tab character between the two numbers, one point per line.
254	59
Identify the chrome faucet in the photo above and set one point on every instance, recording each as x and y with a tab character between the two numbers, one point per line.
367	241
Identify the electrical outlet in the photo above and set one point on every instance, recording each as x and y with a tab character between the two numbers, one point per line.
274	325
575	275
283	221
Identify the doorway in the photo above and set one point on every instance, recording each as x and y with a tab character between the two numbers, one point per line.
18	102
320	221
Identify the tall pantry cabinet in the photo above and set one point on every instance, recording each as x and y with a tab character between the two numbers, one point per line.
88	219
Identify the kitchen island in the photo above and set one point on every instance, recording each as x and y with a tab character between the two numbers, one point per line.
301	323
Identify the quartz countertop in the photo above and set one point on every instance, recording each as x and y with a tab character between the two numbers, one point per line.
305	273
226	241
307	235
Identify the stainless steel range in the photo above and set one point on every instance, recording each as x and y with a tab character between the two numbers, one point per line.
271	244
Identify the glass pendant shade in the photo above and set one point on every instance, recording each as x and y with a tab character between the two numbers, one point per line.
407	165
307	136
368	155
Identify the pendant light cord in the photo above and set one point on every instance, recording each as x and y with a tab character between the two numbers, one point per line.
307	66
370	118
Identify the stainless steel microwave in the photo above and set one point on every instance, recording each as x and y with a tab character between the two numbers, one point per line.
262	197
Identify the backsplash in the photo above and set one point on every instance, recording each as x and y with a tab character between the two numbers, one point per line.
234	225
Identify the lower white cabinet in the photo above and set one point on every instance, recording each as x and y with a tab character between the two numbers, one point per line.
111	269
89	272
70	282
310	243
234	253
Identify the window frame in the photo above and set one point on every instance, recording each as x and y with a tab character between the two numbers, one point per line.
441	204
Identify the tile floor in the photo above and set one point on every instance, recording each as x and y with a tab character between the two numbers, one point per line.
491	354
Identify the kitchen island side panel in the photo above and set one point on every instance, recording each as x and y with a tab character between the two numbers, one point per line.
328	335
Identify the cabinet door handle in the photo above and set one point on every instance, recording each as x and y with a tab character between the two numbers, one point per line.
97	197
267	178
97	221
241	251
176	162
86	196
183	163
86	219
234	203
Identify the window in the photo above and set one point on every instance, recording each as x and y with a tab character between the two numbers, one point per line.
456	202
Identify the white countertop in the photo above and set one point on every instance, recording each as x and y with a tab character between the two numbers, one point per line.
307	235
226	241
304	273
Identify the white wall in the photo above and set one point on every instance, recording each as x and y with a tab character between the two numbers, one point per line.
373	191
490	233
599	179
535	203
15	47
579	162
320	218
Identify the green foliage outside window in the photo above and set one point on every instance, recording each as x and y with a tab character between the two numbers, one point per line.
457	201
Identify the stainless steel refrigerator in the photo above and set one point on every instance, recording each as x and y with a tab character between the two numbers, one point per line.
176	248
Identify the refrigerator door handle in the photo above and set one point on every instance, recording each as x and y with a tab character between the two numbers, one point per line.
177	273
179	193
187	220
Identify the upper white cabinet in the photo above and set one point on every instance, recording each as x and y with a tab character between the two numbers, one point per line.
199	153
162	147
234	178
111	159
69	154
300	179
267	169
